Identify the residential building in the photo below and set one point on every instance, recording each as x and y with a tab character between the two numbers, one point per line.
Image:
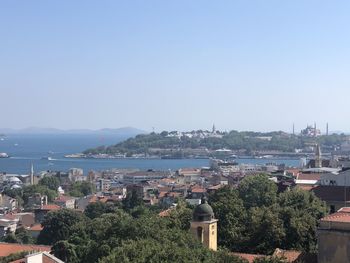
65	201
7	249
334	237
41	257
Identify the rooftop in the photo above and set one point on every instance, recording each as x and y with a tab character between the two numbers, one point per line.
50	207
7	249
249	257
343	216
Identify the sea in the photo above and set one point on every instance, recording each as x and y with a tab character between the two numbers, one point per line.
32	149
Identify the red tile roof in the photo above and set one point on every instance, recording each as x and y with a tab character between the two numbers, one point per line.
289	255
309	176
22	260
64	198
343	217
295	256
249	257
7	249
50	207
198	190
216	187
37	227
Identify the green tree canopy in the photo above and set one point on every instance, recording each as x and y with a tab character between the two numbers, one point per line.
58	225
50	182
257	191
80	189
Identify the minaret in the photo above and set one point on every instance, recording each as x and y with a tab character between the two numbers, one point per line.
318	157
293	129
213	130
315	130
327	131
204	226
32	175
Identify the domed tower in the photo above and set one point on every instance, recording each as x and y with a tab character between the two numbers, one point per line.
204	225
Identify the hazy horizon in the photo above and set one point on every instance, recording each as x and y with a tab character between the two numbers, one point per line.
323	131
184	65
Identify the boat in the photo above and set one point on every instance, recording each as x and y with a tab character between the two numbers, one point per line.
47	158
4	155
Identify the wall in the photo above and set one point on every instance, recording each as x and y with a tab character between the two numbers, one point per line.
333	246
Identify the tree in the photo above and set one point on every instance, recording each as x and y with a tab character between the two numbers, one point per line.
80	189
230	212
132	200
50	182
96	209
265	230
58	225
181	216
30	190
65	251
257	191
300	211
150	251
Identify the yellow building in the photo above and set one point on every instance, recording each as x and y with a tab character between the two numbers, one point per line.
204	225
334	237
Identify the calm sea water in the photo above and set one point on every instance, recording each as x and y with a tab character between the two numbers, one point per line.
30	149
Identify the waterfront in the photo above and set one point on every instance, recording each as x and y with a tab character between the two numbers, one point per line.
30	149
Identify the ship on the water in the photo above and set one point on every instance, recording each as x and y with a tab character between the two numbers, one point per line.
4	155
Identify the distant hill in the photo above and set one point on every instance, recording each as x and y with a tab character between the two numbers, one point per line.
124	131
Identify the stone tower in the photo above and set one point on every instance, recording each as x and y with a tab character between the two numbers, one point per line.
318	157
204	226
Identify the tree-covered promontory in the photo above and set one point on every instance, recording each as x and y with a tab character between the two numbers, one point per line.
233	140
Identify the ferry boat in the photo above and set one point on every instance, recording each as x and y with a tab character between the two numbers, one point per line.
4	155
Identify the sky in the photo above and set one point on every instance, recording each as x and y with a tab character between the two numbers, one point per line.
175	65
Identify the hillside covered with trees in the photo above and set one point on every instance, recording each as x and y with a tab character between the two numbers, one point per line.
233	140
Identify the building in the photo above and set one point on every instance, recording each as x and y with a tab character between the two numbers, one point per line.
36	201
335	197
8	223
140	177
188	175
7	204
334	237
41	257
310	131
7	249
65	202
76	174
204	225
41	212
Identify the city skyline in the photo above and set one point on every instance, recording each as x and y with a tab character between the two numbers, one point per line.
175	66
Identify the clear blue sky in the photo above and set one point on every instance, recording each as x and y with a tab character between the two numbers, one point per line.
246	65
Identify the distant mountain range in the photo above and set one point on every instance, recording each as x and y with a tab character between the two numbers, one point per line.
124	131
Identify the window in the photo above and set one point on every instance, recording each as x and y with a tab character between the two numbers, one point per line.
200	233
332	209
